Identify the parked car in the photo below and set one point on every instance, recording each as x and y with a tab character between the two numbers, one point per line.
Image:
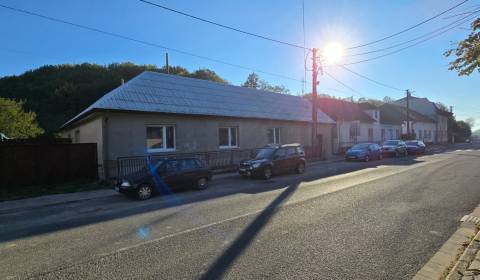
273	160
394	147
364	151
167	174
415	147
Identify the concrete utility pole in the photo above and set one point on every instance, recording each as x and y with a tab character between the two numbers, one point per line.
408	114
314	97
166	63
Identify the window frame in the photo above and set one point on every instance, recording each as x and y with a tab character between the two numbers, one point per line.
164	138
276	136
229	129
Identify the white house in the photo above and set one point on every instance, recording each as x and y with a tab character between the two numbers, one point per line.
440	133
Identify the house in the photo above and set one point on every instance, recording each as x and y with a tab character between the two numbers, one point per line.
394	123
160	113
432	111
353	123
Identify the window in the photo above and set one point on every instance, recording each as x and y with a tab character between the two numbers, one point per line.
354	130
390	132
160	138
376	115
273	135
291	151
397	133
420	134
370	134
187	164
280	153
228	137
383	134
424	133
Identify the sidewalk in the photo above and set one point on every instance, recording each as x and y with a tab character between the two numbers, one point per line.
459	257
55	199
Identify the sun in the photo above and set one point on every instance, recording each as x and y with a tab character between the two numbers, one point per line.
333	52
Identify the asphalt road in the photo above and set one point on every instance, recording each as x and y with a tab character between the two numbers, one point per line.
377	220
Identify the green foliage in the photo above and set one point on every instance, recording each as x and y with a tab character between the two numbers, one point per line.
16	123
254	81
58	93
462	131
467	52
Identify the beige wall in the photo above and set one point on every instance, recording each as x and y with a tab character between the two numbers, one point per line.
127	133
88	131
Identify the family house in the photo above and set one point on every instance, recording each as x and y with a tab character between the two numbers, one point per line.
394	123
160	113
431	110
352	124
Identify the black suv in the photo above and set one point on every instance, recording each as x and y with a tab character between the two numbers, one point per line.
274	159
165	175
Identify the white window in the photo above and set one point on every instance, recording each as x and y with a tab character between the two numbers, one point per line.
273	135
228	137
376	115
160	138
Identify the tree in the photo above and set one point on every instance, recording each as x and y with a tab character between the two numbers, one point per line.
254	81
467	52
388	99
462	131
442	106
16	123
59	92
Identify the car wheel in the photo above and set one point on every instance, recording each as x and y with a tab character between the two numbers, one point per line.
300	168
144	192
202	183
367	158
267	173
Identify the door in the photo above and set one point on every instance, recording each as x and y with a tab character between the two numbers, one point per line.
188	171
280	160
169	173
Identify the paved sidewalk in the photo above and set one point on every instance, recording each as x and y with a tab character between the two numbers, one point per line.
459	257
55	199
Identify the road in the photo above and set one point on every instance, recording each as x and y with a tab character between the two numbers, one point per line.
376	220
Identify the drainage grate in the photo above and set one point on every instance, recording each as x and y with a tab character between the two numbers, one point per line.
470	218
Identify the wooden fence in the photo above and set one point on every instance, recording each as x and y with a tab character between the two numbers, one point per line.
46	163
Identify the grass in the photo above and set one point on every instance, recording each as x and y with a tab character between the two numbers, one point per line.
20	192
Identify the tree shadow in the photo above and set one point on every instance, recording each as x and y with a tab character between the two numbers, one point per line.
241	243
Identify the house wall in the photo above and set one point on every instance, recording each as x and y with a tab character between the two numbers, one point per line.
390	131
377	127
343	134
127	133
89	131
442	129
424	126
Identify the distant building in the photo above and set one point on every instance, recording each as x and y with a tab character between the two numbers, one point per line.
431	110
160	113
394	123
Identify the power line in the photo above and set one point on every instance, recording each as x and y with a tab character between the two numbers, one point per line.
409	28
93	29
407	47
370	79
342	83
225	26
414	39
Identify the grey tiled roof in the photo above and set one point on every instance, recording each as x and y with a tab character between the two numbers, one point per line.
162	93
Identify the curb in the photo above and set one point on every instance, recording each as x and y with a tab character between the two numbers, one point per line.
453	258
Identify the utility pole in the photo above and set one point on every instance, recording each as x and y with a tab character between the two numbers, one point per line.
408	114
166	63
314	98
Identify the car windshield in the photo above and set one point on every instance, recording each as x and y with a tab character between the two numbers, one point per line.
391	142
411	143
360	146
264	153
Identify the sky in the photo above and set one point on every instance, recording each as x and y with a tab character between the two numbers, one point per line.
28	42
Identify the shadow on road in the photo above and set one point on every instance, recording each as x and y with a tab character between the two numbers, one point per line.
117	207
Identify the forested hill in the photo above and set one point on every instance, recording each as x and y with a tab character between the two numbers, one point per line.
57	93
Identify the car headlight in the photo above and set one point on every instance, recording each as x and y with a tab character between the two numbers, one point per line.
125	183
256	165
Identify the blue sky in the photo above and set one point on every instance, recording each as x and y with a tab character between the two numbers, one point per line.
29	42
